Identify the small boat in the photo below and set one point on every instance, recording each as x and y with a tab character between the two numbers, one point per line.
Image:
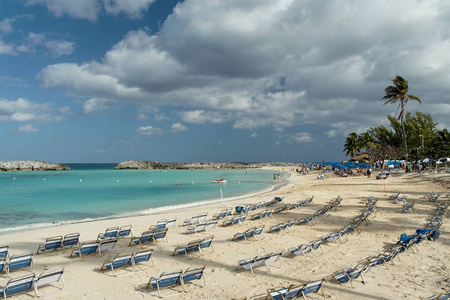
220	181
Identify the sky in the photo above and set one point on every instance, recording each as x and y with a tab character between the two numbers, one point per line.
211	80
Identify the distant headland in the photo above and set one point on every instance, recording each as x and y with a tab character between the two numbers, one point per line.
31	165
148	165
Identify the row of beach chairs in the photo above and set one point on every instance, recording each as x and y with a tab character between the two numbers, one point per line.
59	242
224	213
298	204
32	281
164	223
115	232
312	219
150	236
178	278
127	259
194	246
250	233
261	260
246	209
195	219
235	220
205	226
295	291
94	246
14	262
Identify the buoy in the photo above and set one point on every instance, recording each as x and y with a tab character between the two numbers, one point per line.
178	184
81	180
117	180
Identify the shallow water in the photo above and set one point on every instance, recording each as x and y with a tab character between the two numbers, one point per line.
95	191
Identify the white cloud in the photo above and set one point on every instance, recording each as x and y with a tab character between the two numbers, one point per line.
6	48
132	8
177	127
60	48
148	130
6	25
254	135
277	63
96	104
83	9
23	110
27	128
301	137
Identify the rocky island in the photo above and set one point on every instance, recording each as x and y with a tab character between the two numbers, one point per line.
148	165
31	165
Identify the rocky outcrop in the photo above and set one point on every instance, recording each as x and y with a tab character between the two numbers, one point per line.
31	165
139	165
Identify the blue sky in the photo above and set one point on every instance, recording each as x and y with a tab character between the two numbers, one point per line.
211	80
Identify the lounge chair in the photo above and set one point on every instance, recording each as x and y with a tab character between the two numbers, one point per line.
315	245
274	257
210	225
408	207
145	238
301	250
192	246
160	234
334	237
3	265
159	225
282	293
171	222
70	240
124	231
110	232
191	274
20	261
49	278
196	228
119	261
313	287
244	235
17	285
51	244
106	245
4	252
87	247
166	279
250	264
143	256
259	231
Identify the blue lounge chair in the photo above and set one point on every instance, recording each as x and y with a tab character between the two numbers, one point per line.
49	278
20	261
51	244
192	246
171	222
282	293
110	232
250	264
87	247
166	279
302	250
119	261
17	285
192	274
3	265
206	243
244	235
71	239
4	252
274	257
124	231
145	238
107	244
313	287
143	256
315	246
160	234
259	231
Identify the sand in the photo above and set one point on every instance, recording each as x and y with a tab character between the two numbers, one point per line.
418	276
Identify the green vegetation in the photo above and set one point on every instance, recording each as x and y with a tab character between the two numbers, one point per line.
418	131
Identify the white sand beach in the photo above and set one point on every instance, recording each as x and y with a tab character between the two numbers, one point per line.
420	275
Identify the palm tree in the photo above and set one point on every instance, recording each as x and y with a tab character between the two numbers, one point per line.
399	93
351	146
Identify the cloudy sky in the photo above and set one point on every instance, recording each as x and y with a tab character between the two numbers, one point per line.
211	80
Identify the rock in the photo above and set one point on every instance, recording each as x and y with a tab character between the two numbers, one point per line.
31	165
139	165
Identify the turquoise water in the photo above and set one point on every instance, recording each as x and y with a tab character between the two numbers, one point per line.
96	191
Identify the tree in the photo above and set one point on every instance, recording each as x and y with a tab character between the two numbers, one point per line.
398	93
351	146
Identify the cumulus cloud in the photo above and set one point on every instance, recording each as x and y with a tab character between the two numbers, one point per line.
23	110
301	137
272	63
90	9
6	48
132	8
148	130
96	104
27	128
177	127
83	9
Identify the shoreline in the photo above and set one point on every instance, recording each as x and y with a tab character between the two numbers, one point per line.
153	211
405	279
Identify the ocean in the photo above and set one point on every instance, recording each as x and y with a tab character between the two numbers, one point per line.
97	191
